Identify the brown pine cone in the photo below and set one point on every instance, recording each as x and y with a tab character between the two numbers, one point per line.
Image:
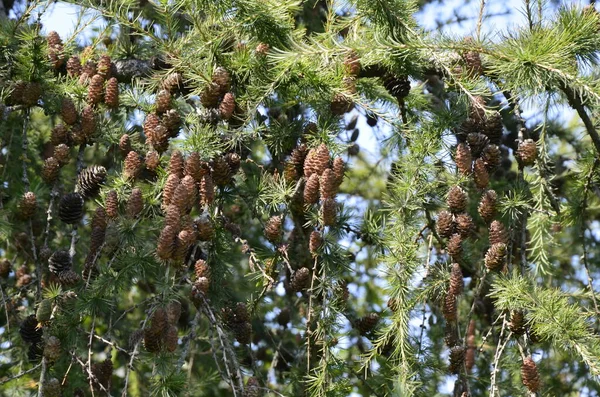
153	339
449	309
262	49
300	280
59	135
397	86
341	104
473	63
99	218
450	335
181	198
517	322
328	211
201	269
172	82
492	157
96	239
209	97
207	190
445	224
311	190
464	225
88	122
62	154
234	162
227	106
176	163
183	242
132	165
297	158
317	161
151	122
314	242
135	204
90	180
173	311
68	278
338	168
200	287
493	128
527	152
171	339
77	136
166	243
454	246
111	96
173	217
125	145
104	66
477	142
457	199
206	231
194	167
70	208
487	205
529	375
273	229
498	233
169	189
243	332
328	184
481	177
32	94
352	63
221	174
74	66
29	330
456	280
111	204
495	256
152	160
28	205
163	101
366	324
96	90
457	358
463	159
191	192
68	112
5	268
222	79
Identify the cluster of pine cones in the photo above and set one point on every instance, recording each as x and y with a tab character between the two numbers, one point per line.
162	333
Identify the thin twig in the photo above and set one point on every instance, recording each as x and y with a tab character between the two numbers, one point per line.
44	365
480	18
20	375
309	314
495	366
575	103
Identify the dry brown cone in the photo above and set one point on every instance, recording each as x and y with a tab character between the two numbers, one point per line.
493	128
59	135
190	185
111	95
152	160
84	78
450	335
449	309
477	142
463	159
495	256
171	339
300	279
341	104
135	204
166	243
456	200
209	97
227	106
201	269
172	82
492	157
481	177
445	224
367	323
289	172
498	233
151	122
314	242
339	167
153	339
352	63
5	268
457	358
176	163
169	189
132	165
27	205
297	158
173	311
234	162
77	136
529	375
125	145
205	229
32	94
62	154
99	218
454	246
317	161
517	322
487	205
88	122
193	166
97	238
96	90
262	49
464	225
74	66
456	280
527	152
328	211
111	204
222	79
207	190
183	242
200	288
163	101
311	190
173	217
181	198
68	112
328	184
102	374
273	229
50	170
221	172
104	66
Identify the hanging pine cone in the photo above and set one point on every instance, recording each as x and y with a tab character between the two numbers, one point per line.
456	200
338	168
135	204
314	242
221	174
209	97
495	256
68	112
243	332
273	229
492	157
111	204
341	104
166	243
481	177
52	348
517	322
28	205
311	190
300	280
90	180
191	192
169	189
171	339
74	66
352	63
227	106
498	233
464	225
102	374
193	166
172	82
454	246
222	79
163	101
487	205
297	158
29	330
111	95
463	159
457	358
529	375
493	128
183	242
527	152
59	134
181	198
173	217
328	211
96	90
366	324
62	154
449	309
477	142
473	63
132	165
456	280
234	162
172	122
450	334
317	161
397	86
328	184
125	145
445	224
5	268
68	278
152	160
59	261
32	94
151	122
88	122
207	190
205	229
70	209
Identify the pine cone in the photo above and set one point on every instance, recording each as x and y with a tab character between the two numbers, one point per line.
328	184
132	165
457	199
96	90
477	142
111	204
445	224
209	97
68	112
99	219
473	63
227	106
317	161
62	154
153	339
273	229
191	192
59	261
32	94
163	101
74	66
297	157
527	152
201	269
181	198
173	217
338	168
205	229
450	335
172	82
341	104
328	211
221	174
397	86
456	280
52	348
366	324
487	205
352	63
135	204
243	332
300	279
492	157
125	145
498	233
464	225
28	205
454	246
517	322
529	375
463	159
70	209
29	330
173	311
111	95
88	122
171	339
457	358
151	122
311	190
315	241
262	49
152	160
169	189
77	136
44	311
493	128
166	243
59	135
207	190
449	309
102	373
52	387
480	174
172	122
200	287
90	180
5	268
222	79
495	256
68	277
193	166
